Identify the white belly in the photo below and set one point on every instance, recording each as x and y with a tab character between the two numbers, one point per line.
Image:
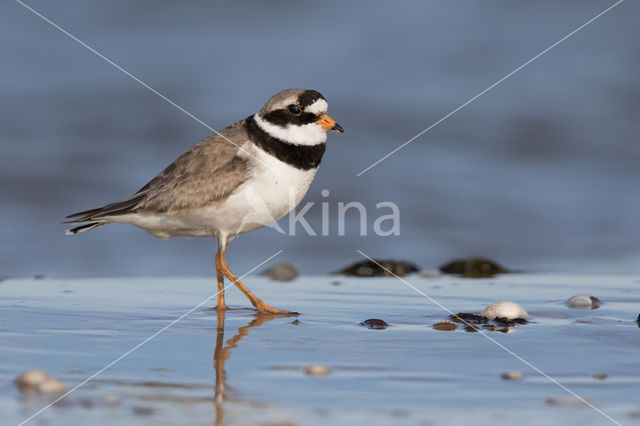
272	191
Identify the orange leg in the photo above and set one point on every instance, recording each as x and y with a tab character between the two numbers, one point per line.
255	301
221	305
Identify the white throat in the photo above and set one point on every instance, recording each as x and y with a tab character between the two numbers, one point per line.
306	134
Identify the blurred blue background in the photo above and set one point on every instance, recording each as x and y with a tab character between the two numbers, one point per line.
541	173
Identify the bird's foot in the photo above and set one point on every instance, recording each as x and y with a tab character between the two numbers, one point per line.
270	310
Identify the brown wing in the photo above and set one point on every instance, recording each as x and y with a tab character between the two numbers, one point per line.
208	172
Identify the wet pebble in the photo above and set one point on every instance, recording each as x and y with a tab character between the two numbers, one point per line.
374	324
38	381
468	318
566	400
600	376
473	267
111	399
505	310
445	326
316	370
86	403
379	268
282	272
52	386
512	375
583	301
31	379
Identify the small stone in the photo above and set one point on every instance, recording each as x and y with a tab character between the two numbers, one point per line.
295	322
507	310
431	273
445	326
374	324
86	403
51	386
111	399
142	411
282	272
473	267
31	378
512	375
600	376
583	301
316	370
468	318
566	400
379	268
285	368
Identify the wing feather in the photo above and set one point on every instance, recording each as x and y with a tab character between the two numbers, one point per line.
208	172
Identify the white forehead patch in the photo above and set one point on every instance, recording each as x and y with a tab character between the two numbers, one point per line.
318	106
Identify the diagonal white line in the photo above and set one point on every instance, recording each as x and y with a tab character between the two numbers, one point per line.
435	302
491	87
128	74
115	361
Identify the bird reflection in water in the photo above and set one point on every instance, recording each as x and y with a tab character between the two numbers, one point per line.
222	354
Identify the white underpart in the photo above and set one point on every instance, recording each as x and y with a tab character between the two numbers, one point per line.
307	134
272	191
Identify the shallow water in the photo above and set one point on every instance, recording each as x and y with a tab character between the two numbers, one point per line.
408	373
540	173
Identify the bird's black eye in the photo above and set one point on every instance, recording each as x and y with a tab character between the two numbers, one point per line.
294	109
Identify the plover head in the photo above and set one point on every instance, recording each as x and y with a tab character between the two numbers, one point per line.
298	117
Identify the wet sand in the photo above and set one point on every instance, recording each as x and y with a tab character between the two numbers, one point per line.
244	369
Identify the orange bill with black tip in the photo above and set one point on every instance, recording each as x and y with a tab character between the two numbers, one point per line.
328	123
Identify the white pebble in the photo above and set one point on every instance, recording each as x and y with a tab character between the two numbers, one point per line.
51	386
111	399
31	378
512	375
508	310
582	301
316	370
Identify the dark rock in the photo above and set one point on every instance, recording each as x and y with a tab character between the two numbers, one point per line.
507	322
379	268
468	318
445	326
472	322
473	267
374	324
282	272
